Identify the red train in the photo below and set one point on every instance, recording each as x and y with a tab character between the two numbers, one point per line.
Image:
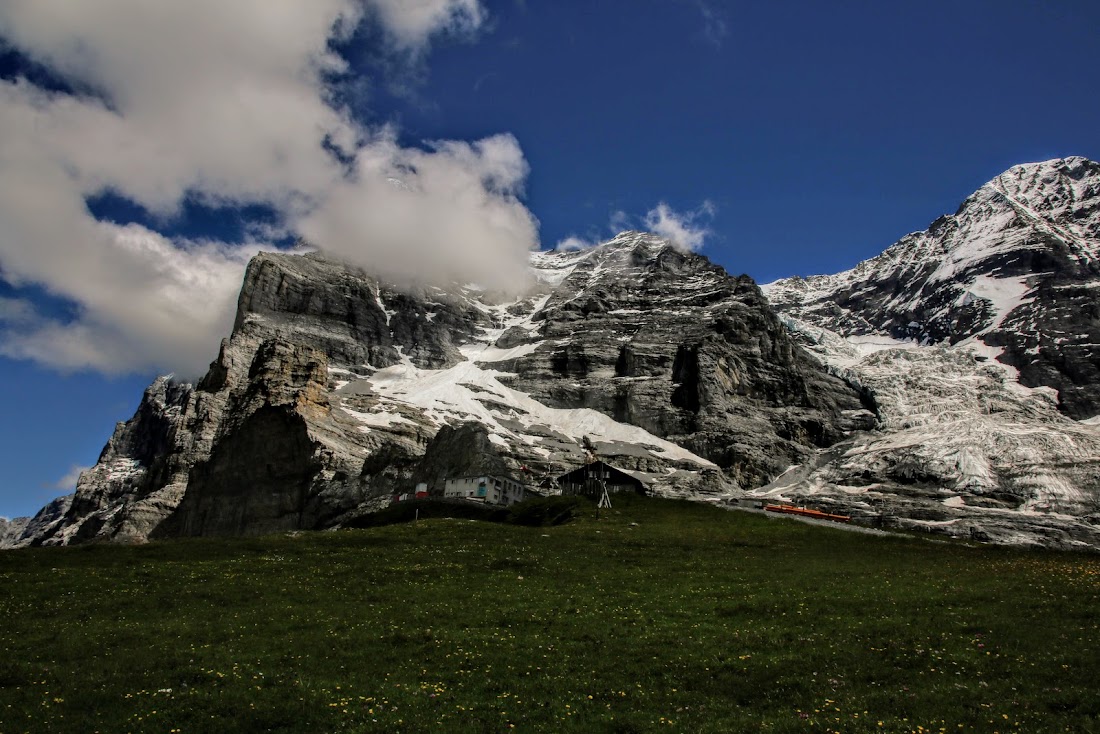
806	512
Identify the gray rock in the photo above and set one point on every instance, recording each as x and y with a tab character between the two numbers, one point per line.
459	451
335	391
25	531
11	530
669	342
352	317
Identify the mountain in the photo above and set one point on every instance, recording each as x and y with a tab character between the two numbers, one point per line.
336	389
1016	269
979	342
24	530
949	385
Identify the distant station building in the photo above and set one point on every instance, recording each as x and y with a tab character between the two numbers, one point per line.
590	480
489	489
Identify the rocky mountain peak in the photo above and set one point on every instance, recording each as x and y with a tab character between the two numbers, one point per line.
1014	270
1057	185
977	340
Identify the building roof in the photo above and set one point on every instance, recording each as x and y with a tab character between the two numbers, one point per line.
601	470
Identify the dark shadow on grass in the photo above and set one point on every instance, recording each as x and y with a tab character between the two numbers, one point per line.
538	512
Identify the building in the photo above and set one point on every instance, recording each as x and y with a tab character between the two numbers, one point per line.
420	494
489	489
589	480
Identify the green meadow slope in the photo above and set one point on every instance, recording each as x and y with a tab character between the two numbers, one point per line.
659	615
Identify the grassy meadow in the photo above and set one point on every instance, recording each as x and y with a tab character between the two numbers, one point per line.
657	616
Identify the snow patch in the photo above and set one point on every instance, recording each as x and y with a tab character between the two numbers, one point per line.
1004	294
380	419
457	393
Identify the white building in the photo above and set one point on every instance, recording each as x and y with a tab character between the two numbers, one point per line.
492	490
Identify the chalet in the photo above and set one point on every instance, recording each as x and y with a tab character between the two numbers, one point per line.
488	489
590	479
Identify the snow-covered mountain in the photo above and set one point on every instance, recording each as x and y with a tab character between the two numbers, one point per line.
1016	269
979	342
336	390
950	384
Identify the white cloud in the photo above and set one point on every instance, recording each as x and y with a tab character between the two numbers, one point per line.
68	482
17	312
411	22
573	243
451	210
223	98
619	220
714	23
228	103
685	230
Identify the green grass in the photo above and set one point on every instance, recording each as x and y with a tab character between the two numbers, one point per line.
692	619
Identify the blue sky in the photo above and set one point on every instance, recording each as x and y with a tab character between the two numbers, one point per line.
801	136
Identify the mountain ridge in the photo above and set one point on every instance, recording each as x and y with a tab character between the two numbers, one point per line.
1013	268
324	399
949	384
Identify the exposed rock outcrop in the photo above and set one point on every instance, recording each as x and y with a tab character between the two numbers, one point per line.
459	451
23	531
669	342
11	530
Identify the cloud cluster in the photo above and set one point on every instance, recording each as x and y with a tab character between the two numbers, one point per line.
68	482
410	22
415	206
686	231
572	243
224	103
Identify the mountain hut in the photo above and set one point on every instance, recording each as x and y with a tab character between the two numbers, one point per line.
588	480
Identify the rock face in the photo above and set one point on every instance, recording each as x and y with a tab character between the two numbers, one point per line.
950	384
335	391
669	342
977	341
352	318
1016	268
12	530
465	450
23	531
